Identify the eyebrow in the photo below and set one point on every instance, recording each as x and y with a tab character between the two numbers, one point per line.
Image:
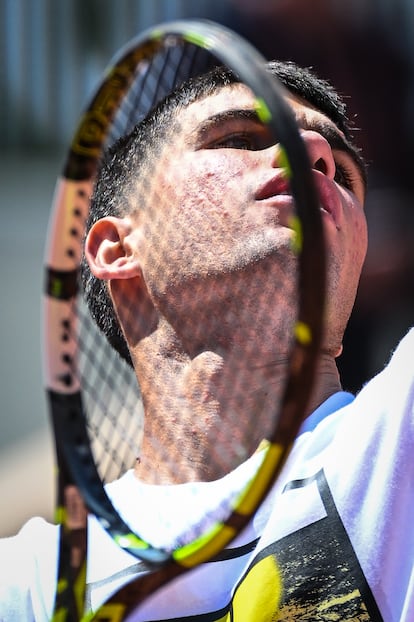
234	114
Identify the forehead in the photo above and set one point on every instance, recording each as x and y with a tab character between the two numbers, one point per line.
240	97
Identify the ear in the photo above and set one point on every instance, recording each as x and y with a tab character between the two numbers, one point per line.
110	249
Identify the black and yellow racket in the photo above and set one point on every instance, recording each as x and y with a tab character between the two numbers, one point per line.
94	397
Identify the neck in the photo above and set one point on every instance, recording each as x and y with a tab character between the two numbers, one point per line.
206	414
326	384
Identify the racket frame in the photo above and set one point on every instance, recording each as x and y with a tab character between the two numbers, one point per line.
77	469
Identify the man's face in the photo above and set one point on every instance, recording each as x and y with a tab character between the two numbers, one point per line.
217	233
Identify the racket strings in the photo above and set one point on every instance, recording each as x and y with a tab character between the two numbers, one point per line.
181	443
154	80
111	396
112	402
185	445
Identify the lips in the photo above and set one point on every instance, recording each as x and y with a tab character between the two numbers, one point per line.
330	201
274	187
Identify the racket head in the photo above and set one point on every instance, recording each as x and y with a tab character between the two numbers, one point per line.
188	46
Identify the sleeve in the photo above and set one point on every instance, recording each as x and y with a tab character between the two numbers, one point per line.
372	462
28	563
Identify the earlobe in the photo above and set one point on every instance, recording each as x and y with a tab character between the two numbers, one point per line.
108	249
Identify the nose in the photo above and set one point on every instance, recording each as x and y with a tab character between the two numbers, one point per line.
319	152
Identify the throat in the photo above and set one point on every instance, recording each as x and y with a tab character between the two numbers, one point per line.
205	416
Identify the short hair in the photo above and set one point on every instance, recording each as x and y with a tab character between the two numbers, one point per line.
122	164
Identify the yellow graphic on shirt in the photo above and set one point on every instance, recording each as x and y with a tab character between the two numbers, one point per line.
111	612
258	595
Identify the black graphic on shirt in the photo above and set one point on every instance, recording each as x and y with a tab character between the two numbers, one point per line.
321	577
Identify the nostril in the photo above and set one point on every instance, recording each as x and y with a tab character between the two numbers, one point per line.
320	165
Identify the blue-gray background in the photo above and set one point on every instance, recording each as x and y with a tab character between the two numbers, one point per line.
52	54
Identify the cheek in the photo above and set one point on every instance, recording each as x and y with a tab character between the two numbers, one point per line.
354	232
218	169
360	241
208	187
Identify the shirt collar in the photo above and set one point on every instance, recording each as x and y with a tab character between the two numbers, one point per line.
332	404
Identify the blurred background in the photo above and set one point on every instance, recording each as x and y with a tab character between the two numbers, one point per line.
52	54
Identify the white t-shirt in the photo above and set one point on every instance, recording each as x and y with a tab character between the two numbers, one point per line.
338	527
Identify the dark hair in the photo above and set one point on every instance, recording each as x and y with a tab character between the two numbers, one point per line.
122	164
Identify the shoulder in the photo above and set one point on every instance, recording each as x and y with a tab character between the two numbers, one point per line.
392	390
384	407
379	419
28	572
32	541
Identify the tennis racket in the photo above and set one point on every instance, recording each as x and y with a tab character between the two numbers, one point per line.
95	399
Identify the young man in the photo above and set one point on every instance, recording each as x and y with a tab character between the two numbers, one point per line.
337	527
